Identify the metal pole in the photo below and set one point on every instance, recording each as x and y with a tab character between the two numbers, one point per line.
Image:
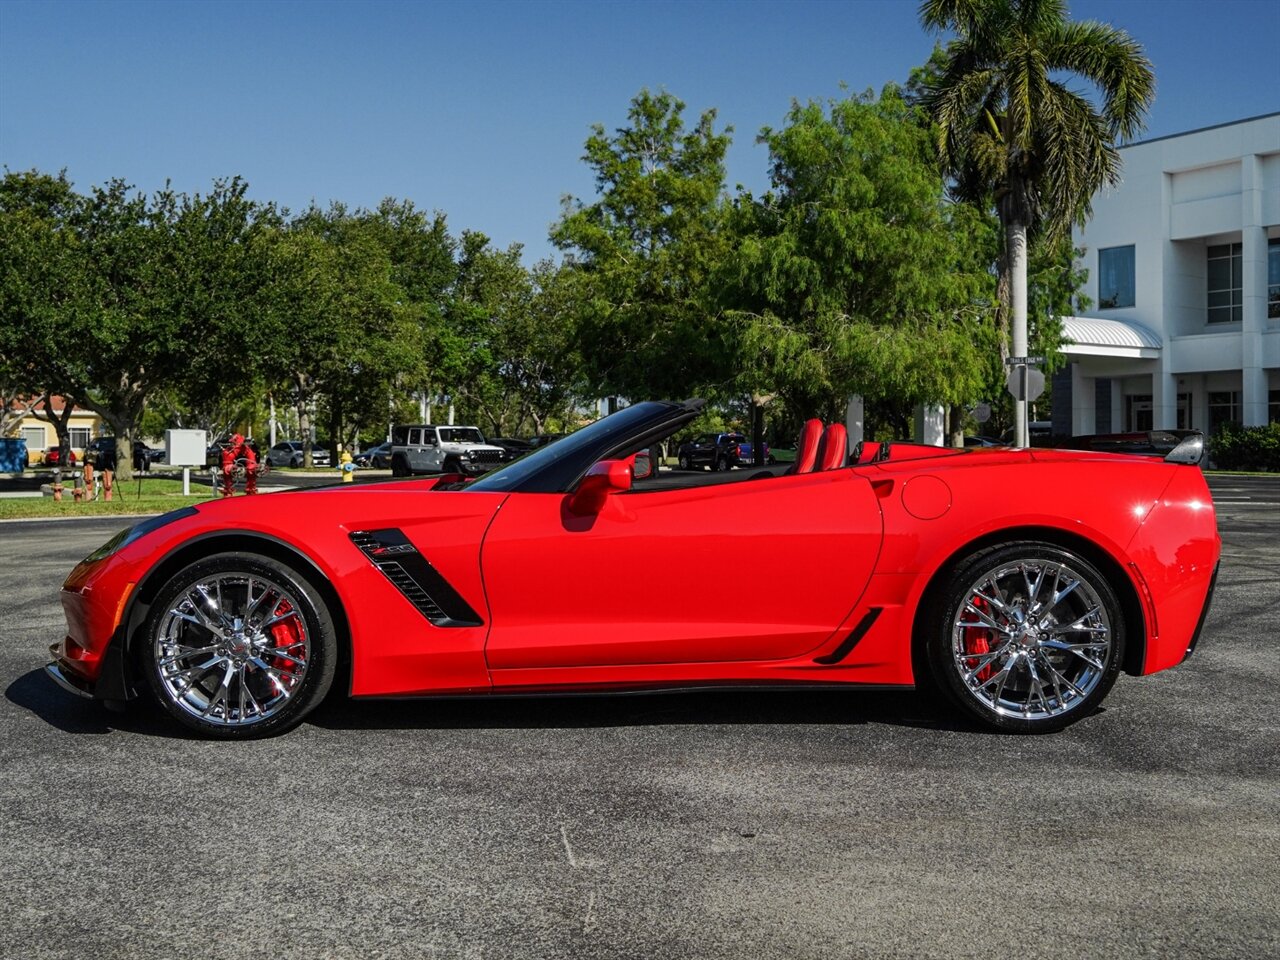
1018	295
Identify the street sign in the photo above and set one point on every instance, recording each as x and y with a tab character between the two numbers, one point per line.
1025	383
982	412
1018	361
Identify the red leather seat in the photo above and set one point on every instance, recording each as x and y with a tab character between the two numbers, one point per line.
833	451
807	450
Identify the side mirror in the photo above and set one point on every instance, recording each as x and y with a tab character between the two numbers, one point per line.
642	469
604	478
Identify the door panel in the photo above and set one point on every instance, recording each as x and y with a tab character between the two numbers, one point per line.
753	570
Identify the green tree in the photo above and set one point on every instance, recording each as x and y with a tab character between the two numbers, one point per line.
41	280
204	273
517	362
421	255
125	297
1010	128
330	326
645	250
854	275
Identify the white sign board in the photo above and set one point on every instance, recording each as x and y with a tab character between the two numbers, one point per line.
185	448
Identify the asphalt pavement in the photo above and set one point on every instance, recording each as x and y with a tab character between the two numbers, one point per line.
797	825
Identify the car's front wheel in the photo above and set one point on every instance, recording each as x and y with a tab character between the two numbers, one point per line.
684	462
1028	638
239	646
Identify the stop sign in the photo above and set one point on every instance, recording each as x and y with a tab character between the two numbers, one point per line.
1025	382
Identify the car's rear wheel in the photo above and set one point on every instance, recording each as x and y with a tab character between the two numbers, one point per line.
239	646
1028	637
399	466
684	462
720	463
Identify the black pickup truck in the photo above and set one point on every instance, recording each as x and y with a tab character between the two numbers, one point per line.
719	451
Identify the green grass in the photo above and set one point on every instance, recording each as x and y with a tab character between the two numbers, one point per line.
158	495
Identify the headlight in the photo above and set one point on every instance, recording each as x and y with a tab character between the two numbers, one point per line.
130	534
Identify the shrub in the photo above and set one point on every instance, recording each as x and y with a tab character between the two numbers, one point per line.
1246	448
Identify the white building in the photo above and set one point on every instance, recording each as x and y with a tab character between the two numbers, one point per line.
1184	276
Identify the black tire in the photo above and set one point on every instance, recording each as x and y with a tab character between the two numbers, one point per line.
684	462
399	466
1026	637
451	465
720	464
257	678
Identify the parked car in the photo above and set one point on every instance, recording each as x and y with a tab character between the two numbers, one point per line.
378	458
512	447
143	455
970	441
1021	609
53	457
717	451
435	448
289	453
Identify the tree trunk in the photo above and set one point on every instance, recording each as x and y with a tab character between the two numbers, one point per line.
304	432
955	426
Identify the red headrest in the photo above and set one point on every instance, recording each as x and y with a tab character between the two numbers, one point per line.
834	449
807	451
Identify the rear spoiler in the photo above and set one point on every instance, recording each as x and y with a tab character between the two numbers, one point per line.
1189	450
1172	446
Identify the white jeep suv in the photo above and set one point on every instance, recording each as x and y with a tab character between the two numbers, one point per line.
427	448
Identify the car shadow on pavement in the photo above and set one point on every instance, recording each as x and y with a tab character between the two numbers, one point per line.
33	691
904	708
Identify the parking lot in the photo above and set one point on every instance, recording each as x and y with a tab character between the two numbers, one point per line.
705	825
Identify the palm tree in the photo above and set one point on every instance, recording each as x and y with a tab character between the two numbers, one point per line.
1011	131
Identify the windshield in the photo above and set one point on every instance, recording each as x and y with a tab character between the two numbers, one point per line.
514	473
460	435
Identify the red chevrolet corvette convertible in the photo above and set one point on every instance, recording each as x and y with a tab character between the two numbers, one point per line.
1016	583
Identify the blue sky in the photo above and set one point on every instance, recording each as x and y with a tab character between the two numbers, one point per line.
480	109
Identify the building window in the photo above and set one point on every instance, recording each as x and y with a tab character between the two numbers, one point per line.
1273	279
1273	406
1115	277
34	437
1139	414
1226	268
80	437
1224	407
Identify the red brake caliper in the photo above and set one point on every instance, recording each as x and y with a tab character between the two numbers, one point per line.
977	640
286	633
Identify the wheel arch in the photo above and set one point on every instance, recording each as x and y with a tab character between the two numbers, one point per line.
198	548
1107	564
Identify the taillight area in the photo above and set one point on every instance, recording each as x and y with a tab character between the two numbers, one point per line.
738	452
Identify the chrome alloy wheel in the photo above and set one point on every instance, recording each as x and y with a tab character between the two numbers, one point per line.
1032	639
232	649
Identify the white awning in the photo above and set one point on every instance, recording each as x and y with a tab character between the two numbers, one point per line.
1095	337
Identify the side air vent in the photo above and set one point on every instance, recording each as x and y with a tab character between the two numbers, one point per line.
851	641
413	575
